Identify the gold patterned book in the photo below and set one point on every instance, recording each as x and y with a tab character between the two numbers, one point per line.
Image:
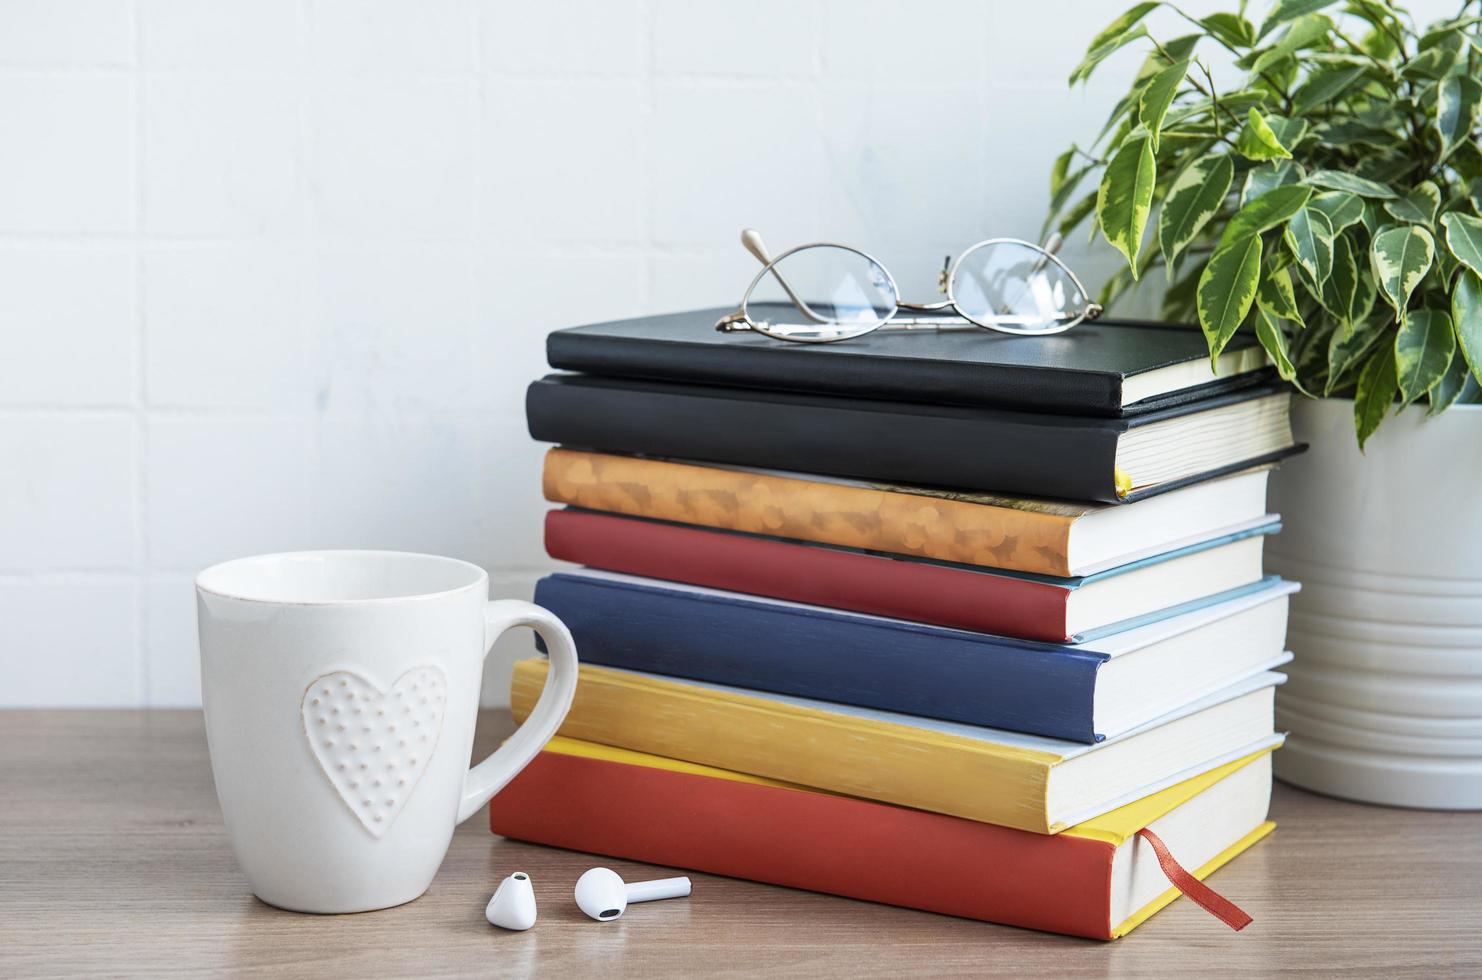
1045	537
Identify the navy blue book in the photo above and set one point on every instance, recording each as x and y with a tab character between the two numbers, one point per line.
1081	693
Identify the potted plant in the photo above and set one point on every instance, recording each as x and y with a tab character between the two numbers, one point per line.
1325	194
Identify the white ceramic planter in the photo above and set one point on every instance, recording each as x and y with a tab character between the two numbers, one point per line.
1385	698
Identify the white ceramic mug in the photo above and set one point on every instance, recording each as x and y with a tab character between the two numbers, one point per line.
341	690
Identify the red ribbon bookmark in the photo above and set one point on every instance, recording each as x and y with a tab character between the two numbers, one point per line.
1201	894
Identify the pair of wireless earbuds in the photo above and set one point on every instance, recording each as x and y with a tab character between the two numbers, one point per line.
600	893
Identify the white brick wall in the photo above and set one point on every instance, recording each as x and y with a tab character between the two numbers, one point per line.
274	274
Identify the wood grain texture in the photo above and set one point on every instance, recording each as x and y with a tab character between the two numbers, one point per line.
113	861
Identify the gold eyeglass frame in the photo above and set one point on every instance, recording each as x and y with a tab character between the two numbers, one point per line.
751	240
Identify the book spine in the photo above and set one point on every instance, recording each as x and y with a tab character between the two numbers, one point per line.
974	449
869	519
833	751
958	598
810	653
814	841
908	379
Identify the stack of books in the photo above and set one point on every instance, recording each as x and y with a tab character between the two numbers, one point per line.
957	621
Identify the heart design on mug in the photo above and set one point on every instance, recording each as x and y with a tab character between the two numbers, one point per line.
373	746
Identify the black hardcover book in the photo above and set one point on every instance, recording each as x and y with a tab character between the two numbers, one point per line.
1108	368
952	446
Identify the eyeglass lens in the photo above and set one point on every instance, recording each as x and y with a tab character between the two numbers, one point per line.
821	293
1016	288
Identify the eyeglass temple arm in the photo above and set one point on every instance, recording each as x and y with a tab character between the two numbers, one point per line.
751	240
1050	246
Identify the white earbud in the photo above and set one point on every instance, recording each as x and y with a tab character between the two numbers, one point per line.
602	894
513	904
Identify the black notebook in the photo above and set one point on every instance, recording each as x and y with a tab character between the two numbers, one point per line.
950	446
1108	368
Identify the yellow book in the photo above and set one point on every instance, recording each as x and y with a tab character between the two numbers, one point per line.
1047	537
1028	782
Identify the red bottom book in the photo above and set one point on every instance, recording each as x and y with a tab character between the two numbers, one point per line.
1099	879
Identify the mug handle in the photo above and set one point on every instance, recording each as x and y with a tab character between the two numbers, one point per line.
491	775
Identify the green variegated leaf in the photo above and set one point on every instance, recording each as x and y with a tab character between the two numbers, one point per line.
1235	102
1126	196
1417	207
1117	34
1352	170
1268	332
1324	86
1118	118
1121	25
1309	349
1178	302
1158	96
1466	319
1277	296
1180	144
1400	258
1114	287
1349	344
1364	296
1446	264
1339	290
1381	46
1464	238
1380	14
1375	394
1434	62
1386	168
1262	178
1257	141
1266	212
1289	131
1067	187
1374	218
1077	214
1342	208
1192	200
1306	30
1444	32
1330	59
1233	29
1310	237
1162	56
1347	133
1285	10
1060	169
1226	291
1423	348
1451	385
1457	98
1337	180
1063	193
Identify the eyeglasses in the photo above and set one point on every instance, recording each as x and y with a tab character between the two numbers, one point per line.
826	292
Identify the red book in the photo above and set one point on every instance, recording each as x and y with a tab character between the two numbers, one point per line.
956	596
1099	879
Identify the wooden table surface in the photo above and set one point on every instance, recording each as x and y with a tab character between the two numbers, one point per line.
114	862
